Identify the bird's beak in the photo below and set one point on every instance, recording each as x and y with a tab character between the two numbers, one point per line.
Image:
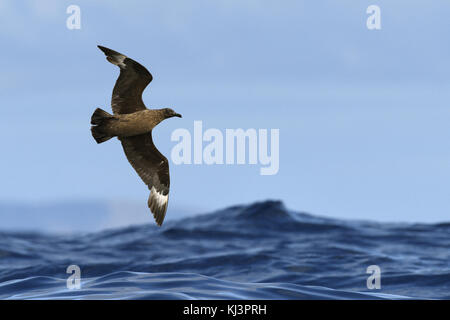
177	115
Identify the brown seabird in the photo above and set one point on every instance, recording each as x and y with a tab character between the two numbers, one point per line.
132	124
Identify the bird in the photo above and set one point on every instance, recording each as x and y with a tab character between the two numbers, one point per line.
132	123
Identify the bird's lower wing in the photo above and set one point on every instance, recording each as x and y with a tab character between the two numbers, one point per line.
153	168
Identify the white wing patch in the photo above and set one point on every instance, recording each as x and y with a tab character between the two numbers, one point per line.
157	202
118	60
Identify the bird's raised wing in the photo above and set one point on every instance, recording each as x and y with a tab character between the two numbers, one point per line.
133	78
153	168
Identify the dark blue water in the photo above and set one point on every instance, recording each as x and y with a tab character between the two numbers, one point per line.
260	251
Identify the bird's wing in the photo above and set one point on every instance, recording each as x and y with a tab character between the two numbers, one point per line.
133	78
153	168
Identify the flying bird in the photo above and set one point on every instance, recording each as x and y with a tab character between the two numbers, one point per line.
132	123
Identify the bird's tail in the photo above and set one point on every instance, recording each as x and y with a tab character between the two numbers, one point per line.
98	120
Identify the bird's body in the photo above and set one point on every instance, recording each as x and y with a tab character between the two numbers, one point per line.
132	123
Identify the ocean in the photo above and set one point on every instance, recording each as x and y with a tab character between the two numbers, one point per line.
256	251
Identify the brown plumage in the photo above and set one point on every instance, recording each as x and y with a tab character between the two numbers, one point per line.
132	123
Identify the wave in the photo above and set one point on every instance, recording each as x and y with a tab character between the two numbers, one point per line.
257	251
138	285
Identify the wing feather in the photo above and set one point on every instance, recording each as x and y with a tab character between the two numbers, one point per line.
133	79
153	168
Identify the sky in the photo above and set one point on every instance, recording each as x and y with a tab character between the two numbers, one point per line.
363	114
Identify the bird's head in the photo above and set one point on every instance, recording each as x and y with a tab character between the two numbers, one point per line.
169	113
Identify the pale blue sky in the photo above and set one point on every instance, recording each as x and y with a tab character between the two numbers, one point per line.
363	115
